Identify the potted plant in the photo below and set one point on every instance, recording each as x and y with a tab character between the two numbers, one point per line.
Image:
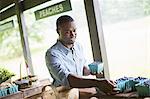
5	75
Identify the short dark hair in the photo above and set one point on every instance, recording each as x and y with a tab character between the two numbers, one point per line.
63	19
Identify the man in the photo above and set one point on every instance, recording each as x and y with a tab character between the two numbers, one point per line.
66	62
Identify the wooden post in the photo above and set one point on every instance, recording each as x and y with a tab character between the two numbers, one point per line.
23	34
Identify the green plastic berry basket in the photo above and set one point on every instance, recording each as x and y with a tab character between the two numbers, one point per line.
143	90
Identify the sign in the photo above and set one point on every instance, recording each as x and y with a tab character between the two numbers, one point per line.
6	25
58	8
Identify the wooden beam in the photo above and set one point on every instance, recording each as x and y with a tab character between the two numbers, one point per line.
5	3
96	33
93	30
32	3
8	13
24	36
26	4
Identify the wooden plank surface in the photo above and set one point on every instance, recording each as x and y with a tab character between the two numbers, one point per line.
17	95
130	95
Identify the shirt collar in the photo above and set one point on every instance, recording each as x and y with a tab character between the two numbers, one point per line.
63	48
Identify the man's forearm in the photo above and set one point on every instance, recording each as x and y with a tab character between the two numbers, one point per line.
104	85
77	82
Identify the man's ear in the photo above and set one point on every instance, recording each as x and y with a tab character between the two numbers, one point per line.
57	31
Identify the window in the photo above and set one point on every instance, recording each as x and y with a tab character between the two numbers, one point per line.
11	54
42	34
126	28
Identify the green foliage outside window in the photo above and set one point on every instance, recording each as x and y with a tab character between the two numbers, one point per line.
146	5
5	75
10	42
119	10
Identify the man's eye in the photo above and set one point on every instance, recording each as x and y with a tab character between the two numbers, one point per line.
74	30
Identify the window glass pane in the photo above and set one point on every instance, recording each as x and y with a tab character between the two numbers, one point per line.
42	34
11	54
126	28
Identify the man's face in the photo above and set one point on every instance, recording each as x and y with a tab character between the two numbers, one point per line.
67	32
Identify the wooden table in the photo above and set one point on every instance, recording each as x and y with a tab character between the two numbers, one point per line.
130	95
75	93
39	90
29	93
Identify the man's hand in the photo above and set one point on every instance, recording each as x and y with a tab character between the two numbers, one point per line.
99	75
86	71
107	86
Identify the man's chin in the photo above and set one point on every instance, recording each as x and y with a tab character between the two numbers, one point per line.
71	42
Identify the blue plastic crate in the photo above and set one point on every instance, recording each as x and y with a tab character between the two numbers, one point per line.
96	67
126	86
13	89
9	90
121	86
4	92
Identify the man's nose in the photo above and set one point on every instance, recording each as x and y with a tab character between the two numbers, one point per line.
73	33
